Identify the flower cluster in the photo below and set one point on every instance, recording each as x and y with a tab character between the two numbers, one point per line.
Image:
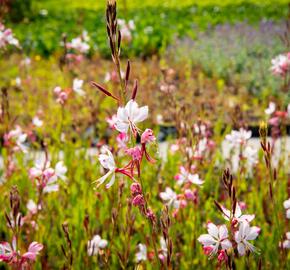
7	37
126	119
80	44
220	239
16	139
45	176
10	253
94	245
61	95
281	64
126	29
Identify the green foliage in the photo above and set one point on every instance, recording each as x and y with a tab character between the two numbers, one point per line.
156	28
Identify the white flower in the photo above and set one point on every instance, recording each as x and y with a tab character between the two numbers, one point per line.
18	81
31	206
200	148
238	215
60	170
286	243
7	38
77	87
141	255
170	198
112	121
131	24
48	175
37	122
251	155
163	247
51	184
239	137
286	205
245	234
95	245
85	36
43	12
185	177
128	116
216	237
79	45
19	138
200	129
271	108
108	162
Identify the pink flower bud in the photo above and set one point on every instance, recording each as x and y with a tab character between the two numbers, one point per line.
151	216
191	195
136	189
48	173
57	90
274	121
138	200
222	257
207	250
135	152
147	136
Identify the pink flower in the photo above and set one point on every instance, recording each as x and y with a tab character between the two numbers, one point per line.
174	147
16	139
7	251
112	121
33	250
7	38
222	256
274	121
61	95
136	154
191	195
147	136
122	140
